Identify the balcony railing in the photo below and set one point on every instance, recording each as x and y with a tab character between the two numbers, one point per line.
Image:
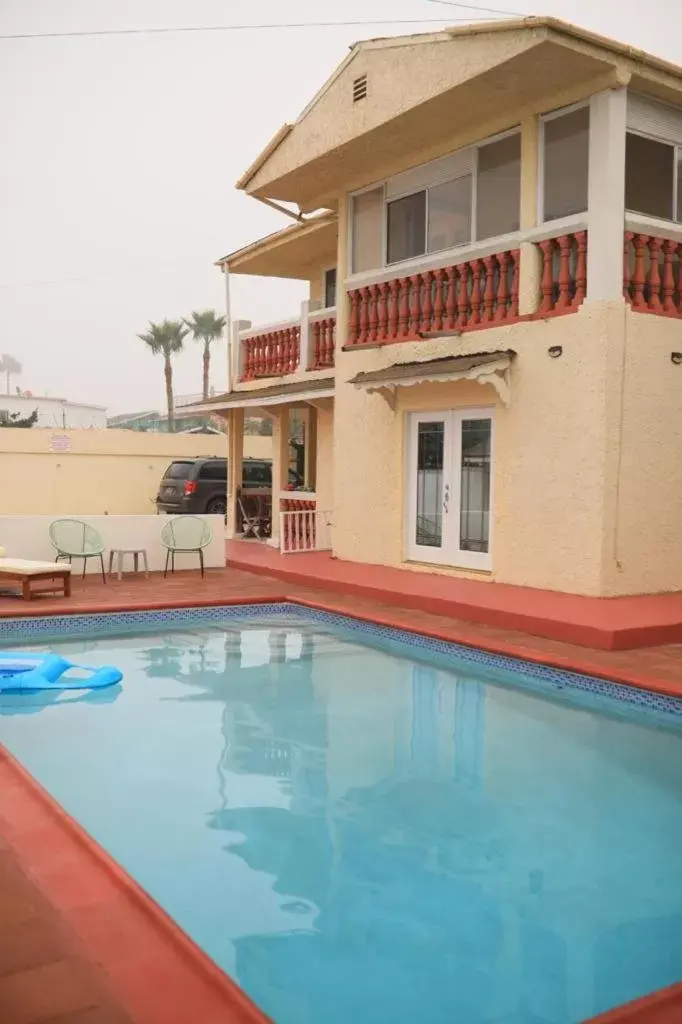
652	274
281	349
322	327
451	298
477	293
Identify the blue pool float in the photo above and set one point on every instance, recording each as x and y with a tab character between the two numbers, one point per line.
21	671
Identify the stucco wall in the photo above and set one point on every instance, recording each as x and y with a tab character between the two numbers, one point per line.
643	546
324	486
105	471
549	456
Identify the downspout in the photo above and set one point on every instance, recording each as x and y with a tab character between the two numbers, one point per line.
228	325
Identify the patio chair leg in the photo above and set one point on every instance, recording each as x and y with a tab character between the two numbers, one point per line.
101	562
85	562
201	561
173	560
165	569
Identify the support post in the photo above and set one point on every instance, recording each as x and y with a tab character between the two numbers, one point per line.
606	196
280	465
235	458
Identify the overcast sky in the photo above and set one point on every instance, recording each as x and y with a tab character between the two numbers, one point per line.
119	157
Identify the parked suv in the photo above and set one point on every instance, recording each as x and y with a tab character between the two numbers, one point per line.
200	485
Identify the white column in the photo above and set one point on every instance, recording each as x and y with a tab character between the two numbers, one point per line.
606	196
236	350
228	325
529	276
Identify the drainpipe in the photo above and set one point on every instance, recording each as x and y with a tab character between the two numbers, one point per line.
228	325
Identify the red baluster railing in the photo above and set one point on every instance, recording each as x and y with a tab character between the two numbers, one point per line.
563	282
323	336
477	292
652	274
271	353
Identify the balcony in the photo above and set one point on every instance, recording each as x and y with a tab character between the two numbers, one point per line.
471	294
652	268
290	347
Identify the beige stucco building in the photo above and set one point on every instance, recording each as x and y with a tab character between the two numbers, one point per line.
490	359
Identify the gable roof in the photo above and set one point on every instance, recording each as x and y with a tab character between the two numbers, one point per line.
515	60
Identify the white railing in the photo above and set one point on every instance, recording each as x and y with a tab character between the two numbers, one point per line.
304	530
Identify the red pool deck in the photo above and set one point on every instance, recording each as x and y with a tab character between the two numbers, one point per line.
82	943
617	623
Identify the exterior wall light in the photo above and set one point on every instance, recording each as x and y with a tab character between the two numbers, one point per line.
676	358
555	351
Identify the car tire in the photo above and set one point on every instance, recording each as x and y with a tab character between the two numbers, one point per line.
217	507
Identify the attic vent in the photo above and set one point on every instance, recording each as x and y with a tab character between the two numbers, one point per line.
359	88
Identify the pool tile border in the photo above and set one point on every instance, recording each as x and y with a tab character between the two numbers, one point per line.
556	679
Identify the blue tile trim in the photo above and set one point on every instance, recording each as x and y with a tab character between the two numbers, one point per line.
552	680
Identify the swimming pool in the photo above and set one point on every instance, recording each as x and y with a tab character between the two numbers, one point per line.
358	824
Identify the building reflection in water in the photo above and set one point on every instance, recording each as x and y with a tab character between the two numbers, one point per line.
403	835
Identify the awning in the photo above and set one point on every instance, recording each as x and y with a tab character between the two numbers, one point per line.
484	367
305	392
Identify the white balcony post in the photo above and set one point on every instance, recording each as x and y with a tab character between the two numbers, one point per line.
606	196
307	307
237	351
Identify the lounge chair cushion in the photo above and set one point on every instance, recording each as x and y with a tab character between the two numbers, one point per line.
26	567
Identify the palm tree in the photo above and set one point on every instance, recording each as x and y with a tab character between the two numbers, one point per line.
206	326
166	338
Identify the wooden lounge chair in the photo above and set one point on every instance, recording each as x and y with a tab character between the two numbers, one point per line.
53	577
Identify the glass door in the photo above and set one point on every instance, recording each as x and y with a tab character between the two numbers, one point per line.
449	488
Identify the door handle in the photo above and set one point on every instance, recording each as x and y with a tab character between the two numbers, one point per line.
446	498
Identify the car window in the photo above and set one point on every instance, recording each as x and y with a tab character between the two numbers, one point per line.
257	473
215	470
178	471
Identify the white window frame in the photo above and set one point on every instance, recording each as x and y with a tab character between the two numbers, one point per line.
476	561
677	149
544	118
474	150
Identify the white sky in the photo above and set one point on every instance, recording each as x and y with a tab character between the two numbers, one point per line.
119	157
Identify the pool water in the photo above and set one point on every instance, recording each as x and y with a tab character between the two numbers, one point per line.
359	830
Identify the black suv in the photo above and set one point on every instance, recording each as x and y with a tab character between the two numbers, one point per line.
200	485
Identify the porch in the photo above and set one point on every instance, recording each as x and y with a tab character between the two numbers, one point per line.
602	624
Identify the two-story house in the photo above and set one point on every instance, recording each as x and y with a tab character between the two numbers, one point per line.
490	359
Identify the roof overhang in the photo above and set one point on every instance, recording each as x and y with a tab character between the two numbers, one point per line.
542	62
307	392
297	251
482	367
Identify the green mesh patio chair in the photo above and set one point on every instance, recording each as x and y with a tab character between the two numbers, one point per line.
185	535
74	539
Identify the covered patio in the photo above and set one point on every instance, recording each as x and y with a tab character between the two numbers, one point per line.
301	413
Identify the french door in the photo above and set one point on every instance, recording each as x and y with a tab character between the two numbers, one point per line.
448	487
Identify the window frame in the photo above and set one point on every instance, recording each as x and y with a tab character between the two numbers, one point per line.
325	271
552	115
474	149
677	150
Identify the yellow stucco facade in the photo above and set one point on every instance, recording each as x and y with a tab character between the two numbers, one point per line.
586	467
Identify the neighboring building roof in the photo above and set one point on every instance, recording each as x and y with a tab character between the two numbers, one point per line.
508	62
30	397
